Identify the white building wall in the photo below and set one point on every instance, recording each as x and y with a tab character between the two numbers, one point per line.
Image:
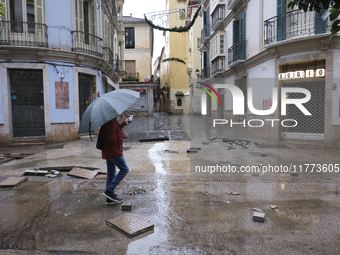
261	80
253	28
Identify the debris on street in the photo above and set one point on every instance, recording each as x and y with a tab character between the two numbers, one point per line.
258	217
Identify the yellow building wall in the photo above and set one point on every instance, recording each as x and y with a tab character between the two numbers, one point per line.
178	46
142	52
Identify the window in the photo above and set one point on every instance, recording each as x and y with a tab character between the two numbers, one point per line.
129	38
24	15
86	20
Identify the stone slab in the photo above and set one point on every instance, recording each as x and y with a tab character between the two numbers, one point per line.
36	172
82	173
126	206
130	225
258	217
11	182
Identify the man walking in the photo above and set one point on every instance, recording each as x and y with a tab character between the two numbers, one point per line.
113	136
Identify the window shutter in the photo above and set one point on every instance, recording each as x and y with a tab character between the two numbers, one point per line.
208	63
106	32
236	36
320	24
242	35
39	20
281	20
79	38
94	17
79	15
4	24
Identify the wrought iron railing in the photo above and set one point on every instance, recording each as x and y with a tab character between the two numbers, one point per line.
116	64
217	65
205	73
217	16
87	43
236	52
131	77
108	55
27	34
293	24
205	33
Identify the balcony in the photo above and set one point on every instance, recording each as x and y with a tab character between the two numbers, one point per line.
217	17
131	77
217	66
232	4
205	33
24	34
206	73
236	53
87	43
108	55
294	24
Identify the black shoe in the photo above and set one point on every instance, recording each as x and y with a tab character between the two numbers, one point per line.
113	197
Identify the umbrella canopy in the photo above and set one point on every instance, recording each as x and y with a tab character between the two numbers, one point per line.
106	108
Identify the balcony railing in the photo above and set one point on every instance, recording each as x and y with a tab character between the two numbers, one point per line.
131	77
296	23
217	17
236	52
116	64
27	34
87	43
206	73
108	55
205	33
217	66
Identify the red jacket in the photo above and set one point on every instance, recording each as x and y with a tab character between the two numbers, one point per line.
113	139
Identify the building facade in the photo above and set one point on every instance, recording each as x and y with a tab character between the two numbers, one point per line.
173	74
138	52
266	50
56	58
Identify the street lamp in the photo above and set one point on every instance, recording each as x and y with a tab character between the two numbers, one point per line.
198	77
197	73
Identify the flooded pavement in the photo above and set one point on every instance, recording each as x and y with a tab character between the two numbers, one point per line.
192	212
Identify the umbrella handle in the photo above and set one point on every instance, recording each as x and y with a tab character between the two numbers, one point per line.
90	131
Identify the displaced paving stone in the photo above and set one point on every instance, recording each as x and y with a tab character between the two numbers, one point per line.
213	138
256	210
192	151
126	206
11	182
258	217
130	225
51	175
294	173
168	151
234	193
159	139
274	207
15	155
36	172
82	173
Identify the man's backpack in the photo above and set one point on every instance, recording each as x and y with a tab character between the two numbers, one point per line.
100	145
